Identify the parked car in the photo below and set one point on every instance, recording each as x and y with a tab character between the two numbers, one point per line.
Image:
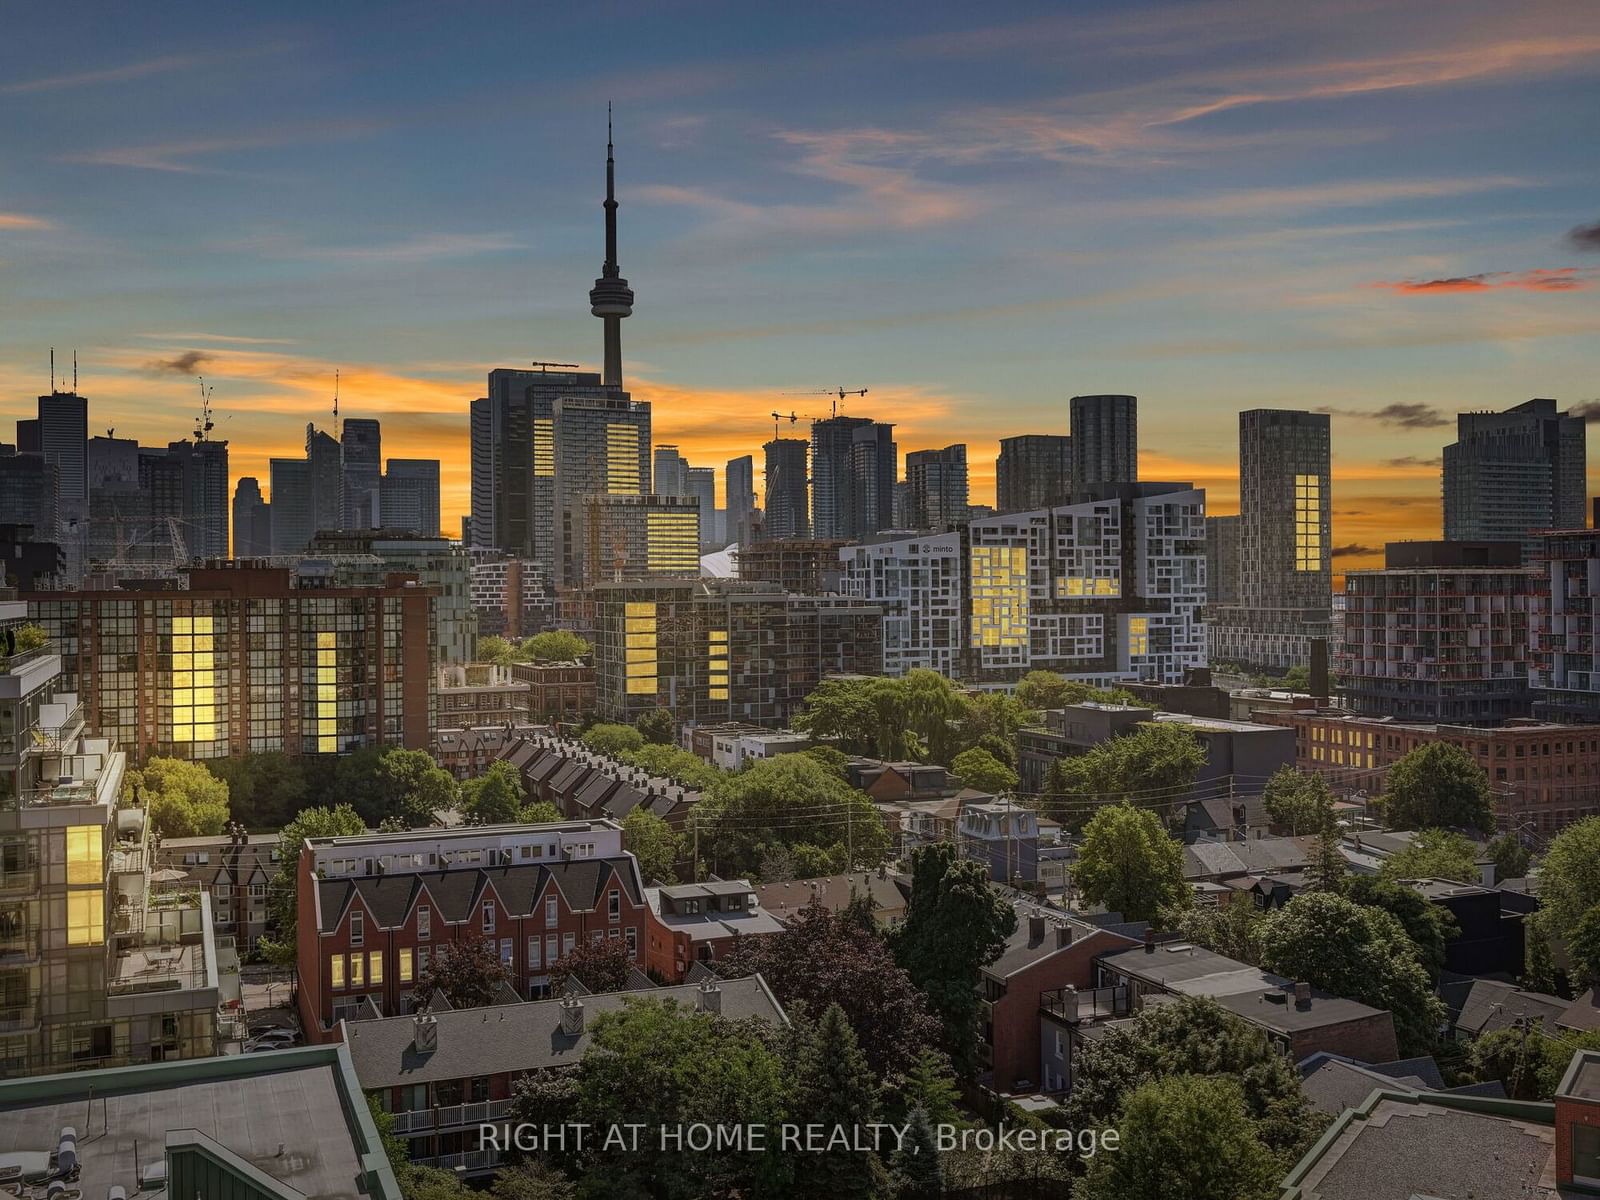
271	1039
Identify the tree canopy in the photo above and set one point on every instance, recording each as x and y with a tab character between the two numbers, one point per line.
1128	862
468	972
657	726
284	888
1510	857
1569	877
556	645
654	843
794	803
1153	767
683	767
1429	926
1299	801
1360	952
1437	786
1434	854
601	966
1047	689
392	784
181	798
497	797
265	790
955	925
919	715
611	739
982	771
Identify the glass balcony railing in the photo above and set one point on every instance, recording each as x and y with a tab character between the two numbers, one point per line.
10	664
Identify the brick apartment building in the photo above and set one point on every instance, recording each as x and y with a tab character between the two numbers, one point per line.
374	907
1544	776
245	660
557	691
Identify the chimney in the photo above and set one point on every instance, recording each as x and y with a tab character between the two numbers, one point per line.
1149	941
710	997
424	1031
1063	934
1302	994
571	1016
1035	929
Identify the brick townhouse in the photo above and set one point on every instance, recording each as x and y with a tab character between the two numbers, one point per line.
374	907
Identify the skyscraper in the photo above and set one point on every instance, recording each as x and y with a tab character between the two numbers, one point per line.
63	436
602	447
1513	473
1105	440
409	495
671	472
326	479
1285	588
741	498
485	478
290	522
204	505
936	483
252	520
853	471
1033	471
611	299
1222	559
786	515
361	458
702	485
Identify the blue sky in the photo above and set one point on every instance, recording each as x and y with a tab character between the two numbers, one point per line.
976	212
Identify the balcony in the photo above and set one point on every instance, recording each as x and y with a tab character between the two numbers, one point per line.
17	883
19	1018
470	1161
453	1116
1078	1005
19	949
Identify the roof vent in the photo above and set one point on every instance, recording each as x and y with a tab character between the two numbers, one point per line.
424	1031
709	998
571	1015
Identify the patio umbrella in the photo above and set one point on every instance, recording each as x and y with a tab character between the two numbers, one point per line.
167	875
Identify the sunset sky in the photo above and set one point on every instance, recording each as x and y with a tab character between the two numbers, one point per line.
1388	211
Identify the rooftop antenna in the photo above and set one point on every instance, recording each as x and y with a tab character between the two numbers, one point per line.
544	367
52	370
74	372
336	402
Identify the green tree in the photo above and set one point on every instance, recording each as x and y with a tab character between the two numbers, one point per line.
468	972
1429	926
1359	952
842	710
181	798
983	772
1510	857
1434	854
1128	862
1569	878
284	888
1328	865
914	1165
955	925
1046	689
1193	1035
1231	927
654	843
1437	786
555	645
791	802
657	726
664	1066
1185	1138
30	637
264	790
990	722
835	760
495	649
381	782
611	739
931	1089
683	767
1154	766
540	813
531	1180
1583	949
495	798
933	707
835	1088
1299	801
602	966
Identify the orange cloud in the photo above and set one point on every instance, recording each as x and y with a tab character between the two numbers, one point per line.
1549	279
22	221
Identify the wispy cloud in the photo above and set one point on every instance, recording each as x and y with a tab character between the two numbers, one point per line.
186	363
163	65
1552	279
1355	550
422	247
1409	461
23	221
178	156
215	337
1398	416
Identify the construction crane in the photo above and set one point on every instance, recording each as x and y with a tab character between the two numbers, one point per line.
837	393
336	402
544	367
203	424
778	416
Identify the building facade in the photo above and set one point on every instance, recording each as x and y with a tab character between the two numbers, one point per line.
1105	440
242	661
1512	474
918	584
1222	560
409	496
1033	471
1566	629
1285	579
639	535
366	558
936	488
1440	634
720	650
740	483
805	566
361	460
854	466
787	514
252	520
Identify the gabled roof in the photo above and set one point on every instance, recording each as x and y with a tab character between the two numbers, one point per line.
1491	1005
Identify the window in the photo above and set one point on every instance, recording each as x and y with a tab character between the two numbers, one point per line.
632	935
336	971
422	959
375	968
533	954
84	862
488	916
404	958
614	906
597	936
424	923
568	940
86	917
357	928
550	951
552	912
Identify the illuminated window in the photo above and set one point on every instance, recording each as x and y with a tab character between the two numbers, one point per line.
194	709
375	967
544	447
1075	587
639	648
622	460
336	971
1308	523
405	964
1138	635
84	861
86	917
717	664
999	596
672	540
357	972
327	696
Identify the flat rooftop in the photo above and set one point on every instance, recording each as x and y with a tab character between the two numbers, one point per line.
284	1113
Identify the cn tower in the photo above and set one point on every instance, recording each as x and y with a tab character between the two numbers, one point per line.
611	298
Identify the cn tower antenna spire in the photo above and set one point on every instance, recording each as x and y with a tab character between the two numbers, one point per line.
611	299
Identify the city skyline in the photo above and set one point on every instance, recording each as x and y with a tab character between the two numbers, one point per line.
1158	214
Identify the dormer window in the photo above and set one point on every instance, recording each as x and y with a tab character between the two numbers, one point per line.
488	916
357	927
424	923
614	906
